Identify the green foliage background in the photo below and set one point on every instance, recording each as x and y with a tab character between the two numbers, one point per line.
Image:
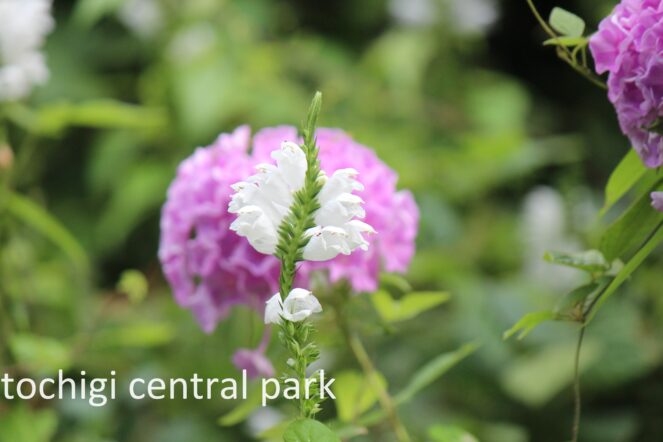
473	121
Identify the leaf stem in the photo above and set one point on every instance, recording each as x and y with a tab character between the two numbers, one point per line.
577	399
359	351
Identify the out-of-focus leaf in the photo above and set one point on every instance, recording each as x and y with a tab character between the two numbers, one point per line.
626	175
43	222
433	370
308	430
423	377
89	12
135	334
566	23
536	378
631	229
407	307
354	394
134	284
578	295
589	260
565	41
25	425
142	190
396	281
53	119
528	323
449	433
39	354
650	244
243	410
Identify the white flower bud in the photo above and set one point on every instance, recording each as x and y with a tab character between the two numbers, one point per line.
299	305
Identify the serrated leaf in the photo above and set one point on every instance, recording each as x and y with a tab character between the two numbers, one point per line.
407	307
566	23
589	260
625	176
450	433
565	41
39	354
308	430
631	229
354	394
528	323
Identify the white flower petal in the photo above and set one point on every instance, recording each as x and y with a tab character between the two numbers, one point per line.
342	181
300	304
273	310
291	162
326	243
253	224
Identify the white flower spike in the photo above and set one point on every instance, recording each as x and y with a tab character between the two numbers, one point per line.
263	201
299	305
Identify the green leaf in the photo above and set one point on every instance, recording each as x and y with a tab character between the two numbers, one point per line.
395	281
589	261
422	378
631	229
433	370
450	433
134	284
23	424
626	175
528	323
53	119
44	223
308	430
38	354
578	295
645	250
566	23
565	41
243	410
407	307
135	335
536	378
354	394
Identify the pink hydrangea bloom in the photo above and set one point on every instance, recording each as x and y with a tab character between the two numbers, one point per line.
629	46
210	268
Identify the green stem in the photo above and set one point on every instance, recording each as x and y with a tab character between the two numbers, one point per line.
577	399
359	351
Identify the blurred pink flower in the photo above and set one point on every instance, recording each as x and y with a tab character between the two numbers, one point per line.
254	361
210	268
629	46
657	200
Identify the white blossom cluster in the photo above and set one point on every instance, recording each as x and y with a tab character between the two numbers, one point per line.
263	201
23	28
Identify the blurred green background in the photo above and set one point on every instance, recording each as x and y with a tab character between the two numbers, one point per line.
505	148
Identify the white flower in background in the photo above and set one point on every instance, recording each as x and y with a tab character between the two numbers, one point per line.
413	12
143	17
545	228
23	27
263	201
299	305
473	16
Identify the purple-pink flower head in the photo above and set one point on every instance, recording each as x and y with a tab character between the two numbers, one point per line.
657	201
629	46
210	268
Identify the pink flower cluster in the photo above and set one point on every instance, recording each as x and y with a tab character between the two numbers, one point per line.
629	46
210	268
